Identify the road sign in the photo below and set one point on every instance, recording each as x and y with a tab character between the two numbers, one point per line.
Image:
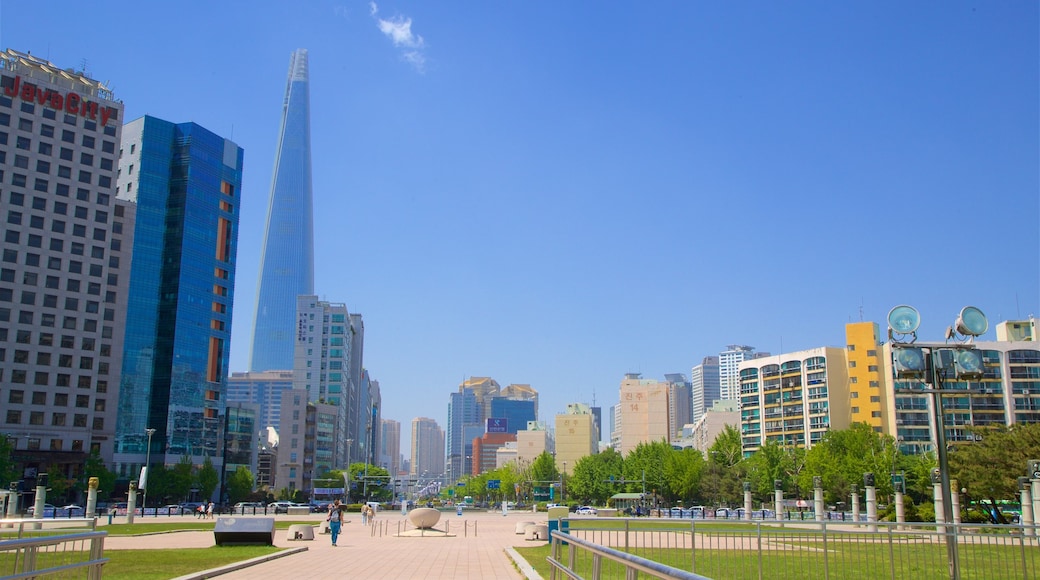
494	483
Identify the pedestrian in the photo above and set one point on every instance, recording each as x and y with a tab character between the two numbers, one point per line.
335	520
200	512
371	515
209	510
364	514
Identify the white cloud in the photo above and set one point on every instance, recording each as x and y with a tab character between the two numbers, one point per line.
399	30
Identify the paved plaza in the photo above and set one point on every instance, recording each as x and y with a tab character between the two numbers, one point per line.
476	548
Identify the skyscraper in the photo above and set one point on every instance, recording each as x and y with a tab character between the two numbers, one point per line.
65	265
704	386
184	184
427	447
287	262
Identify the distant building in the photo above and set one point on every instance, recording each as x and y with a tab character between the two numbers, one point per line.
390	456
463	412
1018	331
793	399
533	441
867	392
514	413
485	450
729	369
679	403
704	386
305	444
287	260
702	434
241	443
644	412
576	436
263	389
427	448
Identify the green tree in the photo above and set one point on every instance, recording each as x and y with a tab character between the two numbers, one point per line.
772	462
544	473
590	482
843	456
684	472
95	467
8	473
179	479
207	478
240	484
58	485
989	468
646	463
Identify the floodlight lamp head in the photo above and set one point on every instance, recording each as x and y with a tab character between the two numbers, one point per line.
971	322
903	319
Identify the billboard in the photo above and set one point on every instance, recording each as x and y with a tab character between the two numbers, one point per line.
497	425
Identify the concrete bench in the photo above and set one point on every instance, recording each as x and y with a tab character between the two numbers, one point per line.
300	532
299	511
521	527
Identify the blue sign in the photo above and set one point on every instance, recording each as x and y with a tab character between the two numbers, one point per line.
494	483
497	425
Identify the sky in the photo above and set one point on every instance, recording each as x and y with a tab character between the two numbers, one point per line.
557	194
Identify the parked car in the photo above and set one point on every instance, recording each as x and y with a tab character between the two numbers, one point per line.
248	506
169	510
47	509
586	510
280	507
722	513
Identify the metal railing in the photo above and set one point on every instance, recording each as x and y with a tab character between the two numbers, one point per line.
809	550
605	562
38	549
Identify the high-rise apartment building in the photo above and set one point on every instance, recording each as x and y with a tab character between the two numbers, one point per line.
793	399
576	436
868	396
287	262
532	442
263	389
185	185
704	386
644	412
390	456
64	268
321	362
427	448
1007	393
729	369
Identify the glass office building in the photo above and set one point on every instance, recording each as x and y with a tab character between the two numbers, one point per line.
184	182
287	262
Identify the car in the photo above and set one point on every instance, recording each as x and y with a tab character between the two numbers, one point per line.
248	506
722	513
47	508
170	510
280	507
586	510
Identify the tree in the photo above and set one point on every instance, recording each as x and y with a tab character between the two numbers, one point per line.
645	466
208	478
95	467
8	473
684	470
989	467
58	485
843	456
179	479
240	484
772	462
592	478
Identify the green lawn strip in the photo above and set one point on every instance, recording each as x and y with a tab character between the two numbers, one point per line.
157	527
159	564
861	561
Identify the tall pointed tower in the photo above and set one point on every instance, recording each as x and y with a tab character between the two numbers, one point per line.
287	262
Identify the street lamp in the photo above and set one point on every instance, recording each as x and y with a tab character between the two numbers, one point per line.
346	476
563	484
147	461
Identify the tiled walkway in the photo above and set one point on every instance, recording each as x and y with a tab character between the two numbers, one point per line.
468	553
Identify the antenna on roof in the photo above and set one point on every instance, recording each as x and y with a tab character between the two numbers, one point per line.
83	67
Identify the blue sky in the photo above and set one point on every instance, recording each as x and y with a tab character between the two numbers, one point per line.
560	193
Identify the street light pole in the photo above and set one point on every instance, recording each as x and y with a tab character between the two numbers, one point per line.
147	461
346	477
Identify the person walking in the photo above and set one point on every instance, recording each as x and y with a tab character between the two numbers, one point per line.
209	510
364	514
335	520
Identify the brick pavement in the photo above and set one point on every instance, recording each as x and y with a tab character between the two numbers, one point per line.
479	553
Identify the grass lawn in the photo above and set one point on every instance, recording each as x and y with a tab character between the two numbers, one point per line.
160	564
162	526
807	561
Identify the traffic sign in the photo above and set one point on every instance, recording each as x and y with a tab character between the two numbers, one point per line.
494	483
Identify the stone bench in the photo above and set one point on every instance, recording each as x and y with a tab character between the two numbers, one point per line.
537	532
521	527
300	532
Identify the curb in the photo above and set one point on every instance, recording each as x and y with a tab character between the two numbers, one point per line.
213	572
529	572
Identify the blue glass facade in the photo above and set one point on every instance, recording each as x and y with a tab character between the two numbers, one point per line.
516	413
287	263
184	182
